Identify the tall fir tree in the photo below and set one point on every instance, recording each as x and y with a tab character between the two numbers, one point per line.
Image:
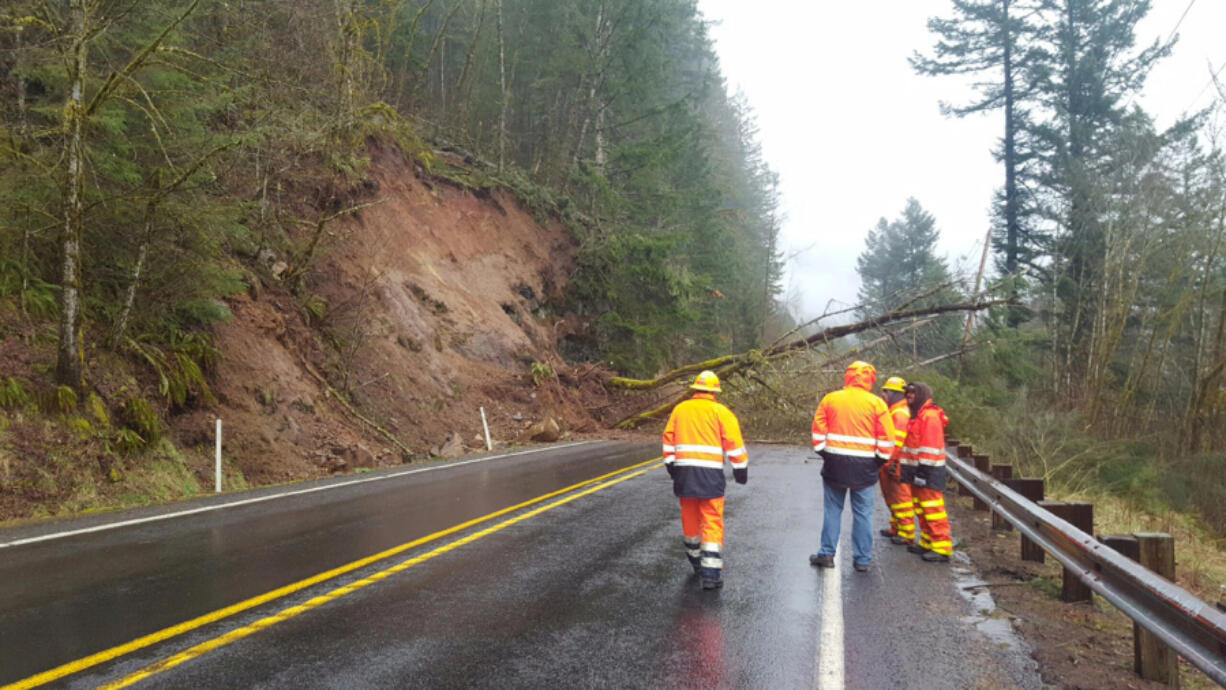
991	40
1088	66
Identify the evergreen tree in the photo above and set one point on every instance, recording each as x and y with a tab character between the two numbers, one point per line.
899	266
203	134
1088	66
990	39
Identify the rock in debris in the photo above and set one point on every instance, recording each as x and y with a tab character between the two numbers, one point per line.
453	447
363	457
545	431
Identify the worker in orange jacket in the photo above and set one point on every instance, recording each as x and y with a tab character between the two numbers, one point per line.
853	433
923	467
700	434
897	495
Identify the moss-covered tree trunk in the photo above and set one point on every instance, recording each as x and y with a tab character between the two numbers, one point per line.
69	365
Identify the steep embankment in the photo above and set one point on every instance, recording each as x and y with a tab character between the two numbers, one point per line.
427	307
421	309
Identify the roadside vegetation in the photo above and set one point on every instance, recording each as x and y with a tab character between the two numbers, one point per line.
1107	373
159	158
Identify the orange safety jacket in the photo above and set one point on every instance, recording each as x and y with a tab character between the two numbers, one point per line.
852	430
900	415
923	454
699	435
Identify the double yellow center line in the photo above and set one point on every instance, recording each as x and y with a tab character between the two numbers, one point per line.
593	485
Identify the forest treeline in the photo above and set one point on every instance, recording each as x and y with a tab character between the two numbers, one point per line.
151	150
1108	230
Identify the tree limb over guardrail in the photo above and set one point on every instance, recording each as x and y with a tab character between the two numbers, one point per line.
1194	629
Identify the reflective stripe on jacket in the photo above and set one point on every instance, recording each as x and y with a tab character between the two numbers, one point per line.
900	415
925	444
923	455
699	435
853	431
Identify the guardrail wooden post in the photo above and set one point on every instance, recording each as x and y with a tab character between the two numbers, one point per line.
954	487
984	465
1152	659
1081	516
1001	473
1155	660
1031	489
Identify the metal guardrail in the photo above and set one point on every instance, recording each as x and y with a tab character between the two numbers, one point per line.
1194	629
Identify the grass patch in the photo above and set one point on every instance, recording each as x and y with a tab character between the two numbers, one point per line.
1200	562
159	481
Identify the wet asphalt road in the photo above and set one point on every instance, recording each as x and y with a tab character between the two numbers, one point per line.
595	592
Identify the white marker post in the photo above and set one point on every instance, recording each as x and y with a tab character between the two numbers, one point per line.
218	455
486	425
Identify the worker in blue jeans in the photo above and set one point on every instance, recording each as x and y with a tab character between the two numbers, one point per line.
853	432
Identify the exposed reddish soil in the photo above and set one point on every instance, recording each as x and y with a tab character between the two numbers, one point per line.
432	309
434	305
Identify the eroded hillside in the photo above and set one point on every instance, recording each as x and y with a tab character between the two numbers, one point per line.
427	305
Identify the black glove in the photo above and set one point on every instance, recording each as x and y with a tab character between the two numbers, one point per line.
740	474
672	471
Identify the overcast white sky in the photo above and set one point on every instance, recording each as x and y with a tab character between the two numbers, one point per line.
853	131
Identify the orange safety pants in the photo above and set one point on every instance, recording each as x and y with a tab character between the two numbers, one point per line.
702	523
897	497
934	521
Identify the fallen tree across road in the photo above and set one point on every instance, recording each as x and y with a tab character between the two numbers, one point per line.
745	362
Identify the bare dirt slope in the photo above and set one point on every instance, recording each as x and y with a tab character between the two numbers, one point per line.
427	307
419	310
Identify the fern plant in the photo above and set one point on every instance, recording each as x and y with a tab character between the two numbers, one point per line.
541	371
13	394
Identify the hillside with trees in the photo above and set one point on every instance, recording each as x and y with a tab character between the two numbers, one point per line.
176	175
1107	374
166	164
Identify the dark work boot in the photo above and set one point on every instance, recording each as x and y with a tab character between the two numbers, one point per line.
885	533
712	567
898	541
916	548
821	561
934	557
693	554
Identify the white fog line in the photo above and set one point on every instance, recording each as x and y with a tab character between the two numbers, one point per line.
830	638
260	499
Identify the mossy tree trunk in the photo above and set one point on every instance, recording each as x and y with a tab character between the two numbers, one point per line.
69	365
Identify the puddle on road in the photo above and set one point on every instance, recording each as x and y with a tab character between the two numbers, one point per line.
987	619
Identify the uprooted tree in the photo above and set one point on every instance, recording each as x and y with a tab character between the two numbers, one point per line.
746	362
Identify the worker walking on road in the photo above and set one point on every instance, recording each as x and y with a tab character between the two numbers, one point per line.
897	495
853	432
699	435
923	467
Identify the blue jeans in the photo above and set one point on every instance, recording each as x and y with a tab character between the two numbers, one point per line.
861	524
